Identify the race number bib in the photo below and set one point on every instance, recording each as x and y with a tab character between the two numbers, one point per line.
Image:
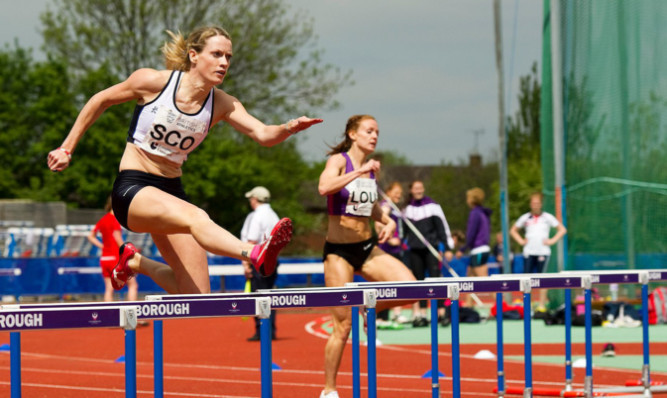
363	195
173	134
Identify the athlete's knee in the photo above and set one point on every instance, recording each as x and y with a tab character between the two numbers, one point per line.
342	328
197	216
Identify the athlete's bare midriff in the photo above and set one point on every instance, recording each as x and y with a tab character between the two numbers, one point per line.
346	229
134	158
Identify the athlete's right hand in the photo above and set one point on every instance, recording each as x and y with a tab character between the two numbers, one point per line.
58	160
372	165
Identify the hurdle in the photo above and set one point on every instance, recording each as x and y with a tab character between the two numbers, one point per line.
643	277
596	277
15	320
417	290
467	285
280	299
142	310
504	283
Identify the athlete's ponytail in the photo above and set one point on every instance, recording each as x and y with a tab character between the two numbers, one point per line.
175	52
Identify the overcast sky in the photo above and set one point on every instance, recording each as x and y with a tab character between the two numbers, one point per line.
424	68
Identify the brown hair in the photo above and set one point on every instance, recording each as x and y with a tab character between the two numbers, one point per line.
412	184
175	52
352	125
476	195
459	235
393	185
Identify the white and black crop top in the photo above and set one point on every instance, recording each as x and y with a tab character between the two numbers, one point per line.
160	128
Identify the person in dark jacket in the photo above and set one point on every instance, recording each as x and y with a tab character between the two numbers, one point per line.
428	218
478	233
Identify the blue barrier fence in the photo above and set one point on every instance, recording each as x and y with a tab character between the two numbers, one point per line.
39	276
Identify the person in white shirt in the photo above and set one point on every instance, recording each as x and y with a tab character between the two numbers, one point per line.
537	225
256	228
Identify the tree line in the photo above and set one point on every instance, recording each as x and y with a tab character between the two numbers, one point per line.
92	44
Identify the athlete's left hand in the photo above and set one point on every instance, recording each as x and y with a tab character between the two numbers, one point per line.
302	123
387	231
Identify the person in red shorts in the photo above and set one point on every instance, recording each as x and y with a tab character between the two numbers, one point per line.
110	230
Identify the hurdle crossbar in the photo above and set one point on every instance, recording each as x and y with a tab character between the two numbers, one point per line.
285	299
16	319
101	315
526	283
638	276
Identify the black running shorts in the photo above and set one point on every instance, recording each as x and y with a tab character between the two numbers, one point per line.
129	182
355	254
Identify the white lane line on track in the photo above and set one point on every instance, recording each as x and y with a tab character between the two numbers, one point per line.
203	395
406	349
120	374
186	378
513	361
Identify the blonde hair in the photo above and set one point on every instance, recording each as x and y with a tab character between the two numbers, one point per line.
476	196
352	125
538	195
175	52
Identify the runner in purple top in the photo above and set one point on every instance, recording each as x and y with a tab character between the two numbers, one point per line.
348	180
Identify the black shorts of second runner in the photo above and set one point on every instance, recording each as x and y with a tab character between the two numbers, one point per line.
479	259
129	182
355	254
535	264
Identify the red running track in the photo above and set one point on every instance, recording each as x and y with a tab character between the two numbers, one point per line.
211	358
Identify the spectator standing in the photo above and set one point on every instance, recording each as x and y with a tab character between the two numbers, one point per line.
256	228
537	225
428	218
478	232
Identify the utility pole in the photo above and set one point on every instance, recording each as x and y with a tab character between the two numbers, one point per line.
502	137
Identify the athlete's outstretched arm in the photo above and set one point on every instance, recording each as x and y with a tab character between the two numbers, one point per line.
141	83
232	111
